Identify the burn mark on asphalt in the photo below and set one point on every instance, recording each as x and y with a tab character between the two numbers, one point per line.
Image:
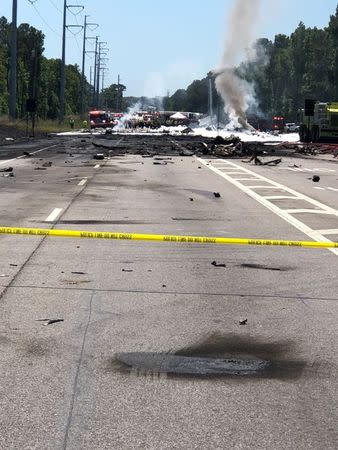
265	267
234	357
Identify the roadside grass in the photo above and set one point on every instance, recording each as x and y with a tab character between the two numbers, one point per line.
41	126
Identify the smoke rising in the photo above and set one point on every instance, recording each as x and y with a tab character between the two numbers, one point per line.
233	90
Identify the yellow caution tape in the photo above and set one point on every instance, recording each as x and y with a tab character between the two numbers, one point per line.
162	238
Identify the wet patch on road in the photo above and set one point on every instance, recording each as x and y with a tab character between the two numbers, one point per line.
216	357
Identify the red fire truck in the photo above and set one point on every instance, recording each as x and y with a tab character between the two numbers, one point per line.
278	123
100	119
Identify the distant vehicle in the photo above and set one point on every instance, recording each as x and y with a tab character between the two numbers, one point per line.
323	125
291	127
278	123
100	119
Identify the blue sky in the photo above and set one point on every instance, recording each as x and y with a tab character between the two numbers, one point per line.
159	46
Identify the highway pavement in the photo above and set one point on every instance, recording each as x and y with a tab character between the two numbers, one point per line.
166	345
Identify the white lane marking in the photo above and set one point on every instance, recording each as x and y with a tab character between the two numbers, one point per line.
281	197
82	182
319	188
245	179
24	156
301	211
331	231
231	173
260	187
332	189
97	166
313	234
53	215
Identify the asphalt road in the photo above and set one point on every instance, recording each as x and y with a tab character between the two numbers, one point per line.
146	325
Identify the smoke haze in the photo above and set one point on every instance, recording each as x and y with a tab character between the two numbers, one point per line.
241	26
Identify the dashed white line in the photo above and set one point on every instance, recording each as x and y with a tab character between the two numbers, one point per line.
313	234
53	215
319	188
97	166
82	182
332	189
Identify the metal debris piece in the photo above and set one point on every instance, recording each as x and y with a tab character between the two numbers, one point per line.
191	199
40	168
27	154
7	169
158	163
217	194
315	178
127	270
49	321
215	264
99	156
79	273
243	321
47	164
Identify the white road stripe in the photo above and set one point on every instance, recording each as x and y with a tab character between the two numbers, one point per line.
313	234
319	188
281	197
245	179
332	189
24	156
97	166
301	211
333	231
261	187
53	215
82	182
231	173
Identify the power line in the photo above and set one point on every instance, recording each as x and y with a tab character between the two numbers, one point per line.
43	20
55	6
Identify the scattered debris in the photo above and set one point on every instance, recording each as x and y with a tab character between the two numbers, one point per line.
99	156
260	266
40	168
79	273
243	321
187	130
217	194
9	139
27	154
185	152
127	270
315	178
7	169
49	321
47	164
164	285
13	265
158	163
216	264
191	199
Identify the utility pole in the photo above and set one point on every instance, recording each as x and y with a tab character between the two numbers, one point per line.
99	68
12	82
86	24
210	101
95	70
63	58
118	94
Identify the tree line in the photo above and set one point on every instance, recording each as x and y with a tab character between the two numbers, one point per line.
284	72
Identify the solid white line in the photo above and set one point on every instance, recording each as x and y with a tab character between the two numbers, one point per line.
332	189
82	182
313	234
53	215
333	231
310	211
24	156
97	166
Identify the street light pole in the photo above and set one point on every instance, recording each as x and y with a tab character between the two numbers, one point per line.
63	60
